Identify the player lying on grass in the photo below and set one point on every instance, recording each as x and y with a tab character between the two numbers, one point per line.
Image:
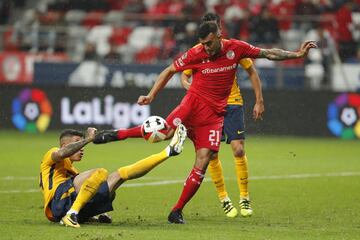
71	197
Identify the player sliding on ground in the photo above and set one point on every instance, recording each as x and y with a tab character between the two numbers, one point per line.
71	197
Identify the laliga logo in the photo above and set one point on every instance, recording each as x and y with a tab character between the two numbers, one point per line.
103	112
31	111
344	116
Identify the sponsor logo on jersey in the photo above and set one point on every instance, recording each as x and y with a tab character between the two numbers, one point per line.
220	69
176	121
230	55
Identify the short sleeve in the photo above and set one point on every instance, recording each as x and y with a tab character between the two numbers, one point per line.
247	50
186	61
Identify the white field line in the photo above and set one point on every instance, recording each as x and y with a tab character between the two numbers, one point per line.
168	182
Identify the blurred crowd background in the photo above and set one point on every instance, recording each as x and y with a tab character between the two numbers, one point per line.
156	31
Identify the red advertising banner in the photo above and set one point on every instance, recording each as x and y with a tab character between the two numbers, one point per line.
16	68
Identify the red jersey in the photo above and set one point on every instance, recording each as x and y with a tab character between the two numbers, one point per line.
213	76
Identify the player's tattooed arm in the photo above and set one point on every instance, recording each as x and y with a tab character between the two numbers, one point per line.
280	54
71	148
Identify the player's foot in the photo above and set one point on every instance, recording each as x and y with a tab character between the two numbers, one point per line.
176	217
102	218
229	209
70	220
177	142
245	207
106	136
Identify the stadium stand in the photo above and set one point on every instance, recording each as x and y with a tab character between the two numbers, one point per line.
134	30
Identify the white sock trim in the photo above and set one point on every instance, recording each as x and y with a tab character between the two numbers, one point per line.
72	211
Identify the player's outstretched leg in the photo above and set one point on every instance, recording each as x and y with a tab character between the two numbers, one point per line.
106	136
142	167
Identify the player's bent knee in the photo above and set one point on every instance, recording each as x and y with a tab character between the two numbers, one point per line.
124	173
202	162
102	173
213	156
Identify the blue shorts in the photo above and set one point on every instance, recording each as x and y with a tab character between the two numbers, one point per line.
65	195
234	124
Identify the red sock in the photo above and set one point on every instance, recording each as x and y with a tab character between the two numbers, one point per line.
134	132
191	185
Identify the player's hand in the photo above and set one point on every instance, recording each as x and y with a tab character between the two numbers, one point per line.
144	100
91	132
258	111
186	84
185	81
306	46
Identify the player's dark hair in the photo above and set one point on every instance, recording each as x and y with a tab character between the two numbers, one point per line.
208	17
71	133
206	28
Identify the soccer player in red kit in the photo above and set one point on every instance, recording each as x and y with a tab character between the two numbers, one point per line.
214	63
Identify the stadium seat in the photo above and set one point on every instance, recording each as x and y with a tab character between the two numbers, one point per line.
141	37
74	17
93	19
120	35
147	55
114	18
315	73
99	36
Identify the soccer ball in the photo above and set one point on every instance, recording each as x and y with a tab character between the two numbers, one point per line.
154	129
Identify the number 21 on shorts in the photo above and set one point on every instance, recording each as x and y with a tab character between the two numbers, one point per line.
214	137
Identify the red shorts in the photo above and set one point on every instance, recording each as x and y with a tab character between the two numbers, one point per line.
203	124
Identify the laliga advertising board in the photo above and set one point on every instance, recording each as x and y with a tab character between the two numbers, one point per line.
296	113
38	110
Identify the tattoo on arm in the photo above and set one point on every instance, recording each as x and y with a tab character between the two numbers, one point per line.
72	148
278	54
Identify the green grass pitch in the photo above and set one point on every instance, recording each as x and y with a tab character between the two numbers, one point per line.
301	188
